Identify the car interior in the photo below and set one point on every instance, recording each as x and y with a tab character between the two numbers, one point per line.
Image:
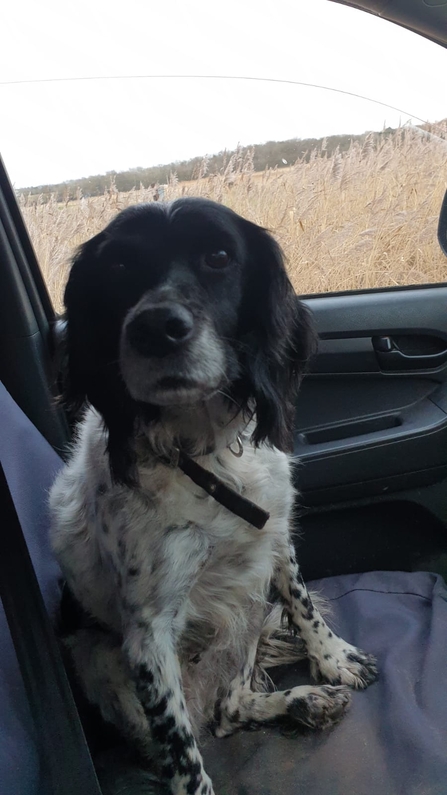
371	442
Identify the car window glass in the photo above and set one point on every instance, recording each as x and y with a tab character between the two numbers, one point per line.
325	124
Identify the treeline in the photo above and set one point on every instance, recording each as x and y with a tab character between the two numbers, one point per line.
273	154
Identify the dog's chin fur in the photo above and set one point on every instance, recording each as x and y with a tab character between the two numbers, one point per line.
197	428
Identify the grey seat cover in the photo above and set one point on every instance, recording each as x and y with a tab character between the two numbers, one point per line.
394	739
392	742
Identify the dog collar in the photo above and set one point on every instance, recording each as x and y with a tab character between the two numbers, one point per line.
222	493
216	488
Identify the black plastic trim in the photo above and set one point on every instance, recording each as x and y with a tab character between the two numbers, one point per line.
22	247
348	493
372	290
442	226
356	315
418	16
26	320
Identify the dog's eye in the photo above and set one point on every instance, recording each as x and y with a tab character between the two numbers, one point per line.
118	266
216	259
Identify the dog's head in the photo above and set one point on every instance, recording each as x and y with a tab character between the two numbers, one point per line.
174	303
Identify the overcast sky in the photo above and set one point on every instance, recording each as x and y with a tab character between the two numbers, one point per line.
50	132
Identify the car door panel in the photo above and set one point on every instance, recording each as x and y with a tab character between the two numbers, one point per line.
372	414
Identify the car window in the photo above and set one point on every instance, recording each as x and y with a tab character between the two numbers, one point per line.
318	121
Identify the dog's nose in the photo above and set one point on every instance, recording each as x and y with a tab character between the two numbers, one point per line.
160	330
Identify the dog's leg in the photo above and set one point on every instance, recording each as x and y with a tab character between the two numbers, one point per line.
315	707
331	658
158	682
100	666
153	613
227	712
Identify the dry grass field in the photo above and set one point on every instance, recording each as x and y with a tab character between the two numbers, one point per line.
365	218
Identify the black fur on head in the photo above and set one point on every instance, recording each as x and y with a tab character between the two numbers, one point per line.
174	302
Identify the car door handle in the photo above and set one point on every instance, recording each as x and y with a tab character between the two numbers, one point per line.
391	357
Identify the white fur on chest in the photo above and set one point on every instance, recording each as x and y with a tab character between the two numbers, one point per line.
102	532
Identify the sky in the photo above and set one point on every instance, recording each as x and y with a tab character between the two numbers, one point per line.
54	131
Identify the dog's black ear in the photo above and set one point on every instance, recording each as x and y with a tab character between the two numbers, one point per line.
92	372
80	318
279	339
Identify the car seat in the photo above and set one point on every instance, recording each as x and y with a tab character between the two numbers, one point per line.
393	740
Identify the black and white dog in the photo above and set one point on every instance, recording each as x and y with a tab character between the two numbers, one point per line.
186	343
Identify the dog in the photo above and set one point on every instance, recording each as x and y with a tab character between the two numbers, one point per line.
172	520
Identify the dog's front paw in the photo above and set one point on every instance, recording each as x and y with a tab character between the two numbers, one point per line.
192	785
225	728
342	664
320	707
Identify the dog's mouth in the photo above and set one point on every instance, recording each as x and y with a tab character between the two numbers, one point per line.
181	391
177	382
